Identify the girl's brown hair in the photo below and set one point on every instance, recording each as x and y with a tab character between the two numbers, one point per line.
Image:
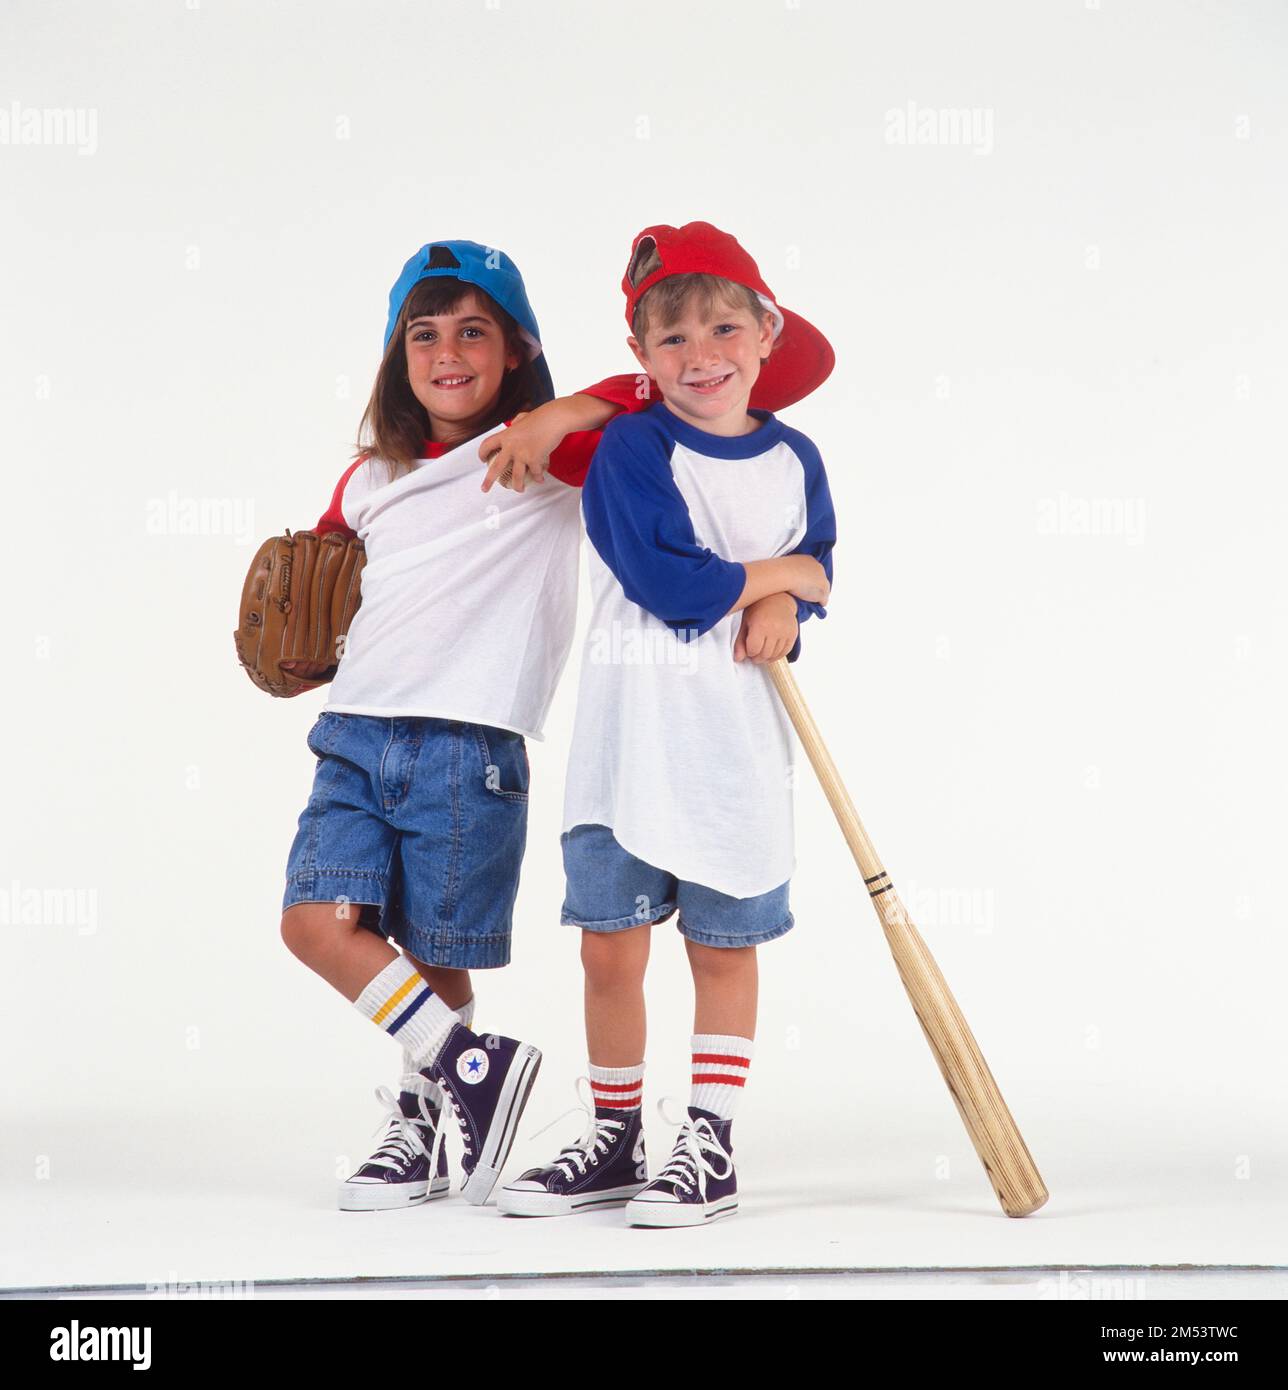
395	425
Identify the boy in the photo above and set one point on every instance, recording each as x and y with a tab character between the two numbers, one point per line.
678	797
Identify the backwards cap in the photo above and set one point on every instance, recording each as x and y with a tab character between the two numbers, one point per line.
802	358
489	270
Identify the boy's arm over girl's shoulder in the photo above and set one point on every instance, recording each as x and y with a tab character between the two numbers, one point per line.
573	434
593	407
639	524
561	435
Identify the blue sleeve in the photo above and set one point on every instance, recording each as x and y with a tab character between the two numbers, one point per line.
637	520
820	525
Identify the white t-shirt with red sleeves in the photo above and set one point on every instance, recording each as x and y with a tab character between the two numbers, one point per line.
469	598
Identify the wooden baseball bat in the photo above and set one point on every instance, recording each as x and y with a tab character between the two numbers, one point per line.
997	1141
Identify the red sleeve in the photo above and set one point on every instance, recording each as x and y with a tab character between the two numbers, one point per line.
571	457
633	392
333	518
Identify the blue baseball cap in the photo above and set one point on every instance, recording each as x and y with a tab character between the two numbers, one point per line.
488	269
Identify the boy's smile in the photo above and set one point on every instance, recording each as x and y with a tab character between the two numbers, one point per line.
709	385
706	363
455	365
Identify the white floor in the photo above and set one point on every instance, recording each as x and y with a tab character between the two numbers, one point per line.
1013	1286
242	1193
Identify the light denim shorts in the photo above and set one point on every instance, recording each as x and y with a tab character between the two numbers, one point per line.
423	820
609	890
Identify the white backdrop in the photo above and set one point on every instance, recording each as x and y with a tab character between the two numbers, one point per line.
1047	243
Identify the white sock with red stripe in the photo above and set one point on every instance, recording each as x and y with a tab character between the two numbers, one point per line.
618	1090
720	1067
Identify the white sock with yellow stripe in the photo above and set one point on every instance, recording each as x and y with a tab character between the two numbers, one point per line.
400	1002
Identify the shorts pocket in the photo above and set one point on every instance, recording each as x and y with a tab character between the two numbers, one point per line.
322	735
504	762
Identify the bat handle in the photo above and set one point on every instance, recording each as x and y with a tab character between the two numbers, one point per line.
829	778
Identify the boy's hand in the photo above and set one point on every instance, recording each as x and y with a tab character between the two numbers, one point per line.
808	579
520	452
524	450
768	630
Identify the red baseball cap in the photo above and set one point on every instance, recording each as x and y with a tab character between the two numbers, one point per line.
802	358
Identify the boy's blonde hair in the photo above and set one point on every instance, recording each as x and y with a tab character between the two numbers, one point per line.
669	298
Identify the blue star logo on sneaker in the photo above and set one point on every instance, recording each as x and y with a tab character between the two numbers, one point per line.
471	1065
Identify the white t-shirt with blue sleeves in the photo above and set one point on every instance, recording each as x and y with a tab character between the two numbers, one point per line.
684	753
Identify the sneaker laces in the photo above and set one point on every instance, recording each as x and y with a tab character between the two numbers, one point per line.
599	1136
450	1108
688	1166
402	1140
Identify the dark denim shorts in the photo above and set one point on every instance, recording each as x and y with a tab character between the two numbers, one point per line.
609	890
423	820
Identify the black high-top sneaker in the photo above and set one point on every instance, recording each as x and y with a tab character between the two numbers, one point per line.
486	1080
698	1185
398	1173
606	1167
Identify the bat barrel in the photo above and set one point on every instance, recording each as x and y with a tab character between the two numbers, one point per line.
994	1133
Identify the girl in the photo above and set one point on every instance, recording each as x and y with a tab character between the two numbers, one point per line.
415	828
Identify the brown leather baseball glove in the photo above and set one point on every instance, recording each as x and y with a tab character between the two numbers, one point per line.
299	598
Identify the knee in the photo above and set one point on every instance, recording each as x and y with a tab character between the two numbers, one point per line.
297	930
720	962
308	928
612	960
